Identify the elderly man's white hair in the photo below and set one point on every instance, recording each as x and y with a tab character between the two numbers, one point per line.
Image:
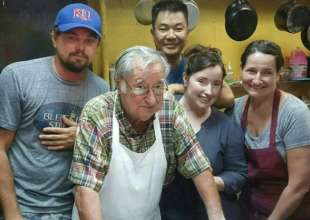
125	63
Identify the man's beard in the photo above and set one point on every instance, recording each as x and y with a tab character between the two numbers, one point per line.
71	66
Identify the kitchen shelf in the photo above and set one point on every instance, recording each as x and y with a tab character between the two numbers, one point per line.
298	88
296	80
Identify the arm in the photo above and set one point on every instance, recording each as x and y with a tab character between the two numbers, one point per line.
8	199
220	185
88	204
207	190
176	88
298	183
226	97
91	157
192	162
59	138
234	172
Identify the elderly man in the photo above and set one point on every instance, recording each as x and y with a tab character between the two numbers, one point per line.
130	143
40	102
170	32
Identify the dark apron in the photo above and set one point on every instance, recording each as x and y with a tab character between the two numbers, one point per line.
267	175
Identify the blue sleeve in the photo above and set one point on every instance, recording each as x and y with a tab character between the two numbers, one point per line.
234	173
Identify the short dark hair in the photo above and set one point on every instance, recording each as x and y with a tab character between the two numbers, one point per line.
201	57
170	6
266	47
55	32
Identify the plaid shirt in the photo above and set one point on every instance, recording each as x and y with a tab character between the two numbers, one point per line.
92	151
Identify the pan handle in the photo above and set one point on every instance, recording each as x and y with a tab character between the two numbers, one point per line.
244	4
290	2
241	2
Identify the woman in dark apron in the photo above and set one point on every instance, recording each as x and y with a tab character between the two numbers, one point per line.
277	137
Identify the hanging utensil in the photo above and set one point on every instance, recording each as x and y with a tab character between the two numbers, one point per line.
193	13
143	11
305	37
240	20
292	17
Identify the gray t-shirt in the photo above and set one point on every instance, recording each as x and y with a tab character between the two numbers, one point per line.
33	97
293	128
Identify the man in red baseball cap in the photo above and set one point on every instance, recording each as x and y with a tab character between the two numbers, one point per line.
40	104
76	16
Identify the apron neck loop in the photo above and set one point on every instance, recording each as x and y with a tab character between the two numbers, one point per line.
274	116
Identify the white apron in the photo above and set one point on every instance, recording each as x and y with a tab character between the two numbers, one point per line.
132	187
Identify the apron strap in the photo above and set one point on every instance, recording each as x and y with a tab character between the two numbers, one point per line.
274	118
244	117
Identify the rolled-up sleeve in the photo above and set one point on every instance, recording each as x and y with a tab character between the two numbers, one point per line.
190	156
90	156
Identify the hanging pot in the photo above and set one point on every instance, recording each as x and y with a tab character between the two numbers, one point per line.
240	20
292	17
143	11
193	13
305	37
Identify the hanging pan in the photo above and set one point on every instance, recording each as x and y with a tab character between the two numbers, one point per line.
305	37
143	11
292	17
193	13
240	20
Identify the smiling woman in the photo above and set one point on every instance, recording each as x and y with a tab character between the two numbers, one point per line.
277	137
260	75
220	137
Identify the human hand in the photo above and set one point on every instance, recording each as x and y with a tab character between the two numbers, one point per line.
17	218
13	216
219	183
59	138
176	88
